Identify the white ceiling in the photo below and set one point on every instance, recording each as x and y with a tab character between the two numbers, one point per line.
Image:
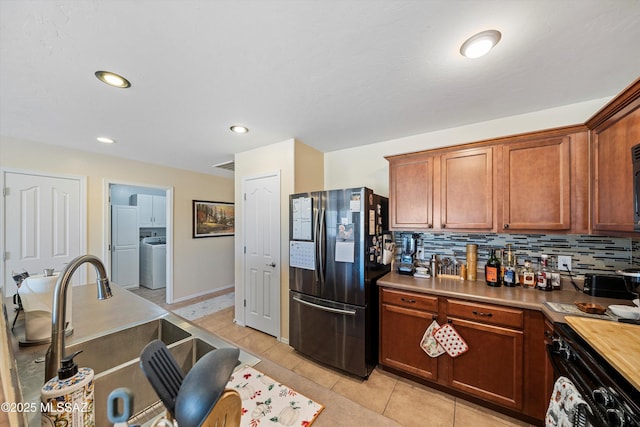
332	73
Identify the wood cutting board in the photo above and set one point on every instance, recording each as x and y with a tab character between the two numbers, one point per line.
618	343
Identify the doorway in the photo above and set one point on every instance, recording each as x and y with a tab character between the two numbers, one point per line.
139	243
261	210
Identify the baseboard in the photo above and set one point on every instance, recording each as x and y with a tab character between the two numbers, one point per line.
203	293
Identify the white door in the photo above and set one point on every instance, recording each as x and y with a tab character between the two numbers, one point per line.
262	253
125	257
43	224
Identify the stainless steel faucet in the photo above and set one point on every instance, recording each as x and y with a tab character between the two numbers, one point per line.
55	353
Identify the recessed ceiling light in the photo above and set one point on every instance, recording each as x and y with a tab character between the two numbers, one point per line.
480	44
239	129
106	140
112	79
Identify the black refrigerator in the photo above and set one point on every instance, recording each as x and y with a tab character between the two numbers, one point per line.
336	241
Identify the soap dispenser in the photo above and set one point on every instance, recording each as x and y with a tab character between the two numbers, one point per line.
67	399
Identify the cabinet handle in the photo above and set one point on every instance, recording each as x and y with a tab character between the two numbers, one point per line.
449	320
403	299
481	313
444	225
505	226
429	225
434	317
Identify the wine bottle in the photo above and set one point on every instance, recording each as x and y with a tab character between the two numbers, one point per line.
492	270
510	277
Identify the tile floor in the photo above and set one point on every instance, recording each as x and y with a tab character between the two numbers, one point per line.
383	400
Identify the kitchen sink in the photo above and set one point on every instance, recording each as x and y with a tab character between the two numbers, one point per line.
115	360
112	335
114	357
130	375
105	352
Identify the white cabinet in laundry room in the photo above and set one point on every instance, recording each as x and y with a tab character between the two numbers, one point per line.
151	210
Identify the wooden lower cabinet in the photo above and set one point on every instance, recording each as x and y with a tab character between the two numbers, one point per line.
506	361
492	369
411	316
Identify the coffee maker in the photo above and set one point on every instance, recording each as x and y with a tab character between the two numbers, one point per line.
408	254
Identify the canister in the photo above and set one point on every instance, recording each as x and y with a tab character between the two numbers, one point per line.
472	261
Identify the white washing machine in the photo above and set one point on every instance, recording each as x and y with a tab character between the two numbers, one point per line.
153	262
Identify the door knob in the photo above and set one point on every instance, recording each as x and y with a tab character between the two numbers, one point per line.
273	264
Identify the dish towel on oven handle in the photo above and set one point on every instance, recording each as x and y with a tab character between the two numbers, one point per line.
567	408
429	343
450	340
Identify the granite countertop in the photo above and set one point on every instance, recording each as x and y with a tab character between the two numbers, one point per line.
531	299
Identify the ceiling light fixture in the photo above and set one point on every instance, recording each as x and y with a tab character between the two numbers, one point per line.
112	79
106	140
480	44
239	129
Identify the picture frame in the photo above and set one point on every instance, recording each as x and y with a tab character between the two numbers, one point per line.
213	219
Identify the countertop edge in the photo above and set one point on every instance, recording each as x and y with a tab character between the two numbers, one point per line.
478	291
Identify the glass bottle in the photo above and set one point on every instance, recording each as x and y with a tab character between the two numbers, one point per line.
510	278
503	264
528	275
544	275
555	274
492	270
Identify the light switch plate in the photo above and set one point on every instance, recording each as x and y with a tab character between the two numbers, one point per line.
564	262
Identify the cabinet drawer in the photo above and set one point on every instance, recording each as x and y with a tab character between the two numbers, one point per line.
486	313
409	300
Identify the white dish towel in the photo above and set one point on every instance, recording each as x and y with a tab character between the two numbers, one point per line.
567	408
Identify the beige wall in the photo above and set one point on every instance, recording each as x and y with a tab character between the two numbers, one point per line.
199	265
366	165
301	170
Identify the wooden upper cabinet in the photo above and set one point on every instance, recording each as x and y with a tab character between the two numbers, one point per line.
467	189
536	185
531	182
411	192
613	208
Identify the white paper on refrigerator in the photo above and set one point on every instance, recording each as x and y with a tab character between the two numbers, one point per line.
302	255
301	218
345	251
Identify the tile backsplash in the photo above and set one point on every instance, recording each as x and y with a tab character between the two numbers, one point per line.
590	254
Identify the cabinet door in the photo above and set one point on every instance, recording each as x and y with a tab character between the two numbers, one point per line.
145	210
467	189
401	331
536	185
411	193
159	211
613	175
492	368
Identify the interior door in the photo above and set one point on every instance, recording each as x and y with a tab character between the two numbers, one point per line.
262	253
42	226
125	257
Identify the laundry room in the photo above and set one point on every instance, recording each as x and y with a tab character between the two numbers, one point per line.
138	234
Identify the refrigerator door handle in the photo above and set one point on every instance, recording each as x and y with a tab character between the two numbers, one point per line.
322	307
322	244
316	232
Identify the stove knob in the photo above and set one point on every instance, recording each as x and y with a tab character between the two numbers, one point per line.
603	397
616	418
566	353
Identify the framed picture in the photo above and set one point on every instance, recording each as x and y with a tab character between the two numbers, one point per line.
213	219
